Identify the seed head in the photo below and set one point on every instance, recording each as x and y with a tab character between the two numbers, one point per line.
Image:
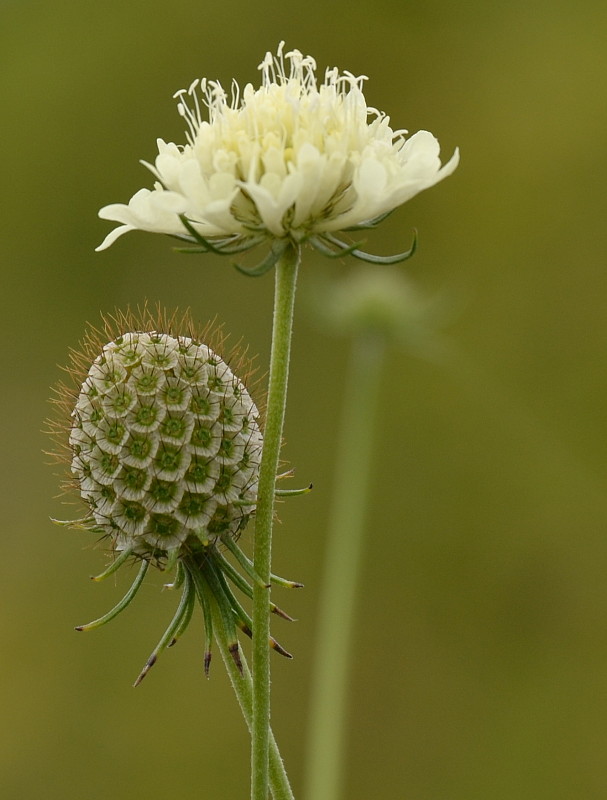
166	443
164	446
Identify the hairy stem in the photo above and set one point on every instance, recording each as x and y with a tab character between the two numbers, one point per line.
286	277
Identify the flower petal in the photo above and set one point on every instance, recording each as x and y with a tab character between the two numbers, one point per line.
113	235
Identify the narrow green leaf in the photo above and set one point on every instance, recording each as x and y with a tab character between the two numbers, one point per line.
168	637
126	600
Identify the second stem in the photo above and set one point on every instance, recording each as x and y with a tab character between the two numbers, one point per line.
326	742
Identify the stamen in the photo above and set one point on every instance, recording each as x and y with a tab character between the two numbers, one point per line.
193	120
194	95
280	56
235	94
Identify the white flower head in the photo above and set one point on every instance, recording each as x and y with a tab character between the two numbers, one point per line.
292	160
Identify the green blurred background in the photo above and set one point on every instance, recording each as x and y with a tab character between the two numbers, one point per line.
480	668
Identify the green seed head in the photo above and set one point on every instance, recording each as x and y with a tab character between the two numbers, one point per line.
165	443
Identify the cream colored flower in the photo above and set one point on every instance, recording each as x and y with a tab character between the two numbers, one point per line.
291	160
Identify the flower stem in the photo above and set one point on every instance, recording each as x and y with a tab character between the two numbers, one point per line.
243	687
326	740
286	278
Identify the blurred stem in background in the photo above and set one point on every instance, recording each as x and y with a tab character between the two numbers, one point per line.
326	743
377	309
